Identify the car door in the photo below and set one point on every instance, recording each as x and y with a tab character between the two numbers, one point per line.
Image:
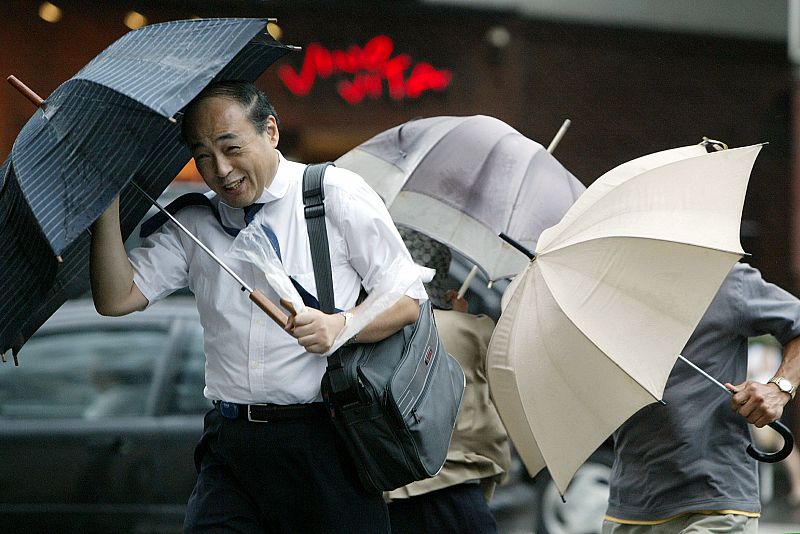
179	408
74	428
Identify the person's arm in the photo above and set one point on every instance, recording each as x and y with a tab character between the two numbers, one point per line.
316	330
760	403
111	273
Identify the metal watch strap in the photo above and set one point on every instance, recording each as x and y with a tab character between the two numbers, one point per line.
777	380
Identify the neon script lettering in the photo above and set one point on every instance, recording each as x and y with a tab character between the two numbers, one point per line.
365	70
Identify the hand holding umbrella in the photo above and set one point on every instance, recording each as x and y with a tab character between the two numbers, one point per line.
113	122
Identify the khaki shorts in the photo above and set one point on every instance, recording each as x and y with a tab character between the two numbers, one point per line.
690	524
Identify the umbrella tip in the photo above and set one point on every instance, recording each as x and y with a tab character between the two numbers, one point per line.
26	91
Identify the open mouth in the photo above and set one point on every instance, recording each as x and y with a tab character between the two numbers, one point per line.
233	186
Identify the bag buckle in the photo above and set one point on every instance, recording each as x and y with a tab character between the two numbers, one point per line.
313	211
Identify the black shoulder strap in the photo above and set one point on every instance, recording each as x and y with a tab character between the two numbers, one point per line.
188	199
314	202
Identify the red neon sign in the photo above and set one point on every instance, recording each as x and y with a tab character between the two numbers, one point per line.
365	68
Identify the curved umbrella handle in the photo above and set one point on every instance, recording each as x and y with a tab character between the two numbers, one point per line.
772	457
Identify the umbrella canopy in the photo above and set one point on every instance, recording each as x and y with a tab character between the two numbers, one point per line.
99	127
463	181
108	125
598	318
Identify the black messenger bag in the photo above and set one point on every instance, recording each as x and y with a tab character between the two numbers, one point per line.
393	402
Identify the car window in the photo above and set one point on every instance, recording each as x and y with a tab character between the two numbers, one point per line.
189	378
81	373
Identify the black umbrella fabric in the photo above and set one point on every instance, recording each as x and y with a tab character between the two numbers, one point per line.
116	121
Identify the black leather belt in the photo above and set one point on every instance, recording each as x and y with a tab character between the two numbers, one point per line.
266	413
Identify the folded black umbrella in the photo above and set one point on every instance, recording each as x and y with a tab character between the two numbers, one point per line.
115	122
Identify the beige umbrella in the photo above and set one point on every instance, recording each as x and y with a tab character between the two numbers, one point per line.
598	318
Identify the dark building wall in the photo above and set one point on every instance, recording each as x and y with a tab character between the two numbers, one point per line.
627	92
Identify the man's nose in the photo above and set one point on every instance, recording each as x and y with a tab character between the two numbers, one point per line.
224	167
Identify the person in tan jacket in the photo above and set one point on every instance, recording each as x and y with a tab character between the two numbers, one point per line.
456	500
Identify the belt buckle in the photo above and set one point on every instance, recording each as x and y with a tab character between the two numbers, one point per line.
250	415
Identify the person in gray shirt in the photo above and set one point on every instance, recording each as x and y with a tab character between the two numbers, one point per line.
682	467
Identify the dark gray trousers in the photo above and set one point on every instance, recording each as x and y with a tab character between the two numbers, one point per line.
281	477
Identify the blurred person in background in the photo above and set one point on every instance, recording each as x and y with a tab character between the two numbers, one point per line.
456	500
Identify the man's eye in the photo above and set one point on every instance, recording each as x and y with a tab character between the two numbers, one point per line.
233	149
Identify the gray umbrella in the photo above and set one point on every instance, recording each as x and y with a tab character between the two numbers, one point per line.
116	121
465	180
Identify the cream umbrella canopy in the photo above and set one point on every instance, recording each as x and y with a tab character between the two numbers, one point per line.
598	318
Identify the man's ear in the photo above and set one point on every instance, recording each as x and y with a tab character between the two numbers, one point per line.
272	133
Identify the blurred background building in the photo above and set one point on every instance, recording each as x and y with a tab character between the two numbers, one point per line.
634	76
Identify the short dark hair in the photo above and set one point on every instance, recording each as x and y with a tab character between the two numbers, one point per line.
255	103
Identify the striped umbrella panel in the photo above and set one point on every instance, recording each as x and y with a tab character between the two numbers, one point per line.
27	267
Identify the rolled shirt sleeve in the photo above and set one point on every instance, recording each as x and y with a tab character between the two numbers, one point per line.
371	239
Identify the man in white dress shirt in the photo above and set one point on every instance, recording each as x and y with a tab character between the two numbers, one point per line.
269	459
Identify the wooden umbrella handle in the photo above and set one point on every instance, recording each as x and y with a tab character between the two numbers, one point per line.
275	313
289	306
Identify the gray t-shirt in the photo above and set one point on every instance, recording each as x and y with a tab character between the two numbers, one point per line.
690	454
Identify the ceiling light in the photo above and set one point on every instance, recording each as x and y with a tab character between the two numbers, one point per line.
49	12
135	20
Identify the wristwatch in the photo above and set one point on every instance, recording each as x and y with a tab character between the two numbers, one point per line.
347	316
784	385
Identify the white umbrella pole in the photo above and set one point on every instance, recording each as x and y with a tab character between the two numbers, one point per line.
706	375
559	135
467	281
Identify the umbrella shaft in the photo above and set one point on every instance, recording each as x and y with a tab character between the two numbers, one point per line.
706	375
194	238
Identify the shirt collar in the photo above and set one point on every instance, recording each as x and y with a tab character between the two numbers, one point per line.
280	183
276	190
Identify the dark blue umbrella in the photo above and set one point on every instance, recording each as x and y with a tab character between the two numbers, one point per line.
115	121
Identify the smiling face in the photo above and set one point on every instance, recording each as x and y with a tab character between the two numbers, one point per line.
235	160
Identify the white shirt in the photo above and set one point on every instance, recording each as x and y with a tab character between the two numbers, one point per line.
250	359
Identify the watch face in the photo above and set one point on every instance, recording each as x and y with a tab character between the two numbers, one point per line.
784	385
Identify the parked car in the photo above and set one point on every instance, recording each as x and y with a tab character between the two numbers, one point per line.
99	422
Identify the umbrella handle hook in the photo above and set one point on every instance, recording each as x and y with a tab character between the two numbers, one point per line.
772	457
